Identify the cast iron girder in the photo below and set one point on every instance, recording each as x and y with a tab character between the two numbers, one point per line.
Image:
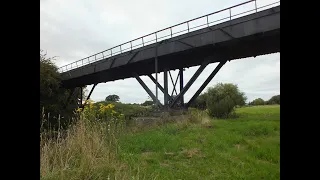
159	85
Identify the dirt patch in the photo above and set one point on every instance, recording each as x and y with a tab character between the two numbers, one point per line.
237	146
164	164
169	153
194	152
146	153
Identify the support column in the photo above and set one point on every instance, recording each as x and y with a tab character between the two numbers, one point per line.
81	91
156	71
165	79
181	85
214	72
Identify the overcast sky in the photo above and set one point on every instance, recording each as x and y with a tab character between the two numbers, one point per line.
74	29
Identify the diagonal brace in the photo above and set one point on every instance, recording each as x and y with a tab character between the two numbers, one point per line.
89	95
145	87
174	84
214	72
159	85
191	81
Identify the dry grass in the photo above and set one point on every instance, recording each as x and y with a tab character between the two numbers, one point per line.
88	151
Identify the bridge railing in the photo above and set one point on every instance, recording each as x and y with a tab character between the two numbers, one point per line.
181	28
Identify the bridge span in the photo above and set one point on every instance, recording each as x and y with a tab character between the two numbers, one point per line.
254	34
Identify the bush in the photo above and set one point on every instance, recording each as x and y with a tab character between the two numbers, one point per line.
223	98
257	102
129	110
53	108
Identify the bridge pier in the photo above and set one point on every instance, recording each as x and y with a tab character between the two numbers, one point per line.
177	101
205	83
183	90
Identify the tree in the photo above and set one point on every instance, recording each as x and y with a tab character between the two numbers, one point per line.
223	98
148	103
112	98
52	96
258	102
274	100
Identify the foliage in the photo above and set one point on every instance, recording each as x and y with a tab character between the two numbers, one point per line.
223	98
53	107
147	103
112	98
129	110
274	100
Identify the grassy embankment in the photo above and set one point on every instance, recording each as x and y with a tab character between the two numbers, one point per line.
196	147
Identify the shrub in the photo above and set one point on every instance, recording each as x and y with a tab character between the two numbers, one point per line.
54	111
223	98
257	102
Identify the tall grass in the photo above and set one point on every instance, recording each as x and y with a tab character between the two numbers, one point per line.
86	150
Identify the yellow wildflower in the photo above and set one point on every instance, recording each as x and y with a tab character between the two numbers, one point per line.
102	108
79	109
110	106
91	105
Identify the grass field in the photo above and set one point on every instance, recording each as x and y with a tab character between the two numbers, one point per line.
247	147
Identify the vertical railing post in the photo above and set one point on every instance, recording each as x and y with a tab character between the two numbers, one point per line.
102	55
255	3
171	31
111	52
208	21
156	37
230	13
120	49
142	42
188	25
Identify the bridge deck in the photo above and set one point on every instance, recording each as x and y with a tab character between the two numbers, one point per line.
251	35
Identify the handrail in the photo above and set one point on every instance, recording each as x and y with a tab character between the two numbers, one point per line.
82	62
